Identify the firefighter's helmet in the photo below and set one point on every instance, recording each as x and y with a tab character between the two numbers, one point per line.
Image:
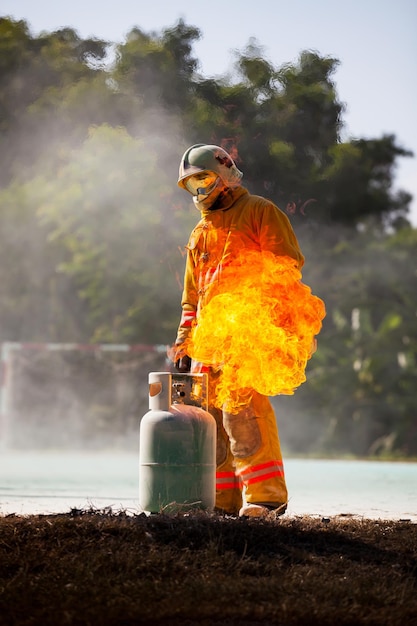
204	159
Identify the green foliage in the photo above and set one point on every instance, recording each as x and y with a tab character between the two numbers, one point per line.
111	228
158	68
362	376
35	73
359	177
92	226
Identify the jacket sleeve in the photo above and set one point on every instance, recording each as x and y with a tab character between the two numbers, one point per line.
276	233
189	301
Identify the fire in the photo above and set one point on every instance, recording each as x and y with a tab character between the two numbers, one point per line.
257	327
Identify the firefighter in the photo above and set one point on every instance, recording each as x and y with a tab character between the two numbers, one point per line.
250	477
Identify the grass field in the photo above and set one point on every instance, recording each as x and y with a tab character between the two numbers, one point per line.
98	568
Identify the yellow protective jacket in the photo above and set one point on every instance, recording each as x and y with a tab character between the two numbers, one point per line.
243	221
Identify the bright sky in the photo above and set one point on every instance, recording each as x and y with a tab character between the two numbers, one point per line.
374	40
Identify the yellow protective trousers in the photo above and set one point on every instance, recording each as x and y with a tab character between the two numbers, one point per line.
249	460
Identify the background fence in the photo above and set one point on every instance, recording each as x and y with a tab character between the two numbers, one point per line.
75	395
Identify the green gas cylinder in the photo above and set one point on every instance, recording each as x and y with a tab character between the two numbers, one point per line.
177	445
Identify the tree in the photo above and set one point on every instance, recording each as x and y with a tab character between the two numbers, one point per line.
359	180
31	300
360	387
119	240
158	70
35	72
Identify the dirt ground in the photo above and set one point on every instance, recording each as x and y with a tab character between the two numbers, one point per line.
99	568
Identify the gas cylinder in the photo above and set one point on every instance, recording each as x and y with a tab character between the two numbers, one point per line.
177	445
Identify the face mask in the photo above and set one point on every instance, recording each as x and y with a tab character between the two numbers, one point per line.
202	202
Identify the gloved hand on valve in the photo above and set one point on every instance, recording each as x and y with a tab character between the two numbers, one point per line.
181	360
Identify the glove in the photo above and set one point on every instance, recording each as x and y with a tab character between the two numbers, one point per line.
181	360
183	364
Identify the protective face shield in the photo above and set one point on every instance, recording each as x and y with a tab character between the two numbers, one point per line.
205	171
201	184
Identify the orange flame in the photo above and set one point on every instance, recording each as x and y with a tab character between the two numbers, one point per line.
258	327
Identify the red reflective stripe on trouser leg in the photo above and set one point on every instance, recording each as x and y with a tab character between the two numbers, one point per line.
262	473
228	484
228	487
227	480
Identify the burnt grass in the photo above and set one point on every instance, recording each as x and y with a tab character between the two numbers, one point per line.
103	568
